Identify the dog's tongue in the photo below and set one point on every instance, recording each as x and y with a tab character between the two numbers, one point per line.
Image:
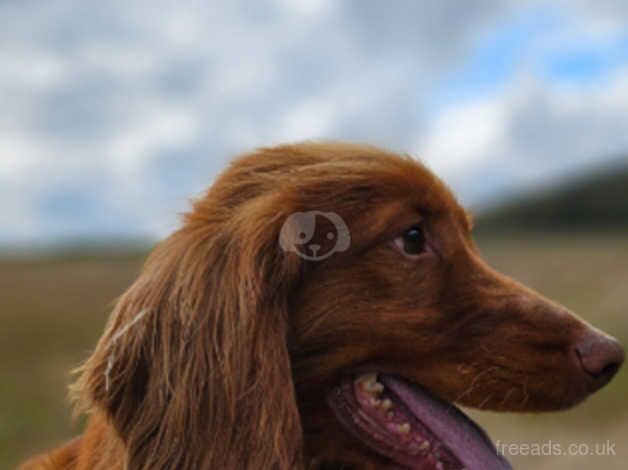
466	440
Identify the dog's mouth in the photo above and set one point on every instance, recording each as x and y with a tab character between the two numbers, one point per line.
404	423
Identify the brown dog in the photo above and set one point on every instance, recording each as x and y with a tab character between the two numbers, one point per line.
299	317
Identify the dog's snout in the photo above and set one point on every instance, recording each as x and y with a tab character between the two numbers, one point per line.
600	356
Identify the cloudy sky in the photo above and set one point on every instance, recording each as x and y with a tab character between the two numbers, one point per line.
113	114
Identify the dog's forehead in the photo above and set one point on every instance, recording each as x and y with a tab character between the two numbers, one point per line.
382	182
412	184
391	192
336	177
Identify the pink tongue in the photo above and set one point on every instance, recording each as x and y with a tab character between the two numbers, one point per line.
463	437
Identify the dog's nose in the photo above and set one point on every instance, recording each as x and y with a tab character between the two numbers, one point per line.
600	356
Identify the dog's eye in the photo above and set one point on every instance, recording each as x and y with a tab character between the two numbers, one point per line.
412	241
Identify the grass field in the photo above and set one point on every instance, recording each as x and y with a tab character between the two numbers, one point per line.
53	309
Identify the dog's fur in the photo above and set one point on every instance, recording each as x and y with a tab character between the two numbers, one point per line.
220	355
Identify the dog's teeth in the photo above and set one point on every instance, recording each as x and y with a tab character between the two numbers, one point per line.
376	402
374	387
369	383
424	445
371	377
404	428
386	404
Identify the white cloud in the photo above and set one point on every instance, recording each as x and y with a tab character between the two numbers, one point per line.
24	67
311	119
17	154
155	128
526	134
122	111
306	7
465	135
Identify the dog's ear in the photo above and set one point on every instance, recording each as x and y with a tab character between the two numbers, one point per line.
193	369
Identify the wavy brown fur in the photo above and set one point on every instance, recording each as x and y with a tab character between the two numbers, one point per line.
219	355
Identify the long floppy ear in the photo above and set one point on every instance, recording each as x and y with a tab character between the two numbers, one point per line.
193	369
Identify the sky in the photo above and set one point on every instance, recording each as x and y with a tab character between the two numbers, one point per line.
114	114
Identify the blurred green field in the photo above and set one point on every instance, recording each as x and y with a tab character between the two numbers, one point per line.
53	309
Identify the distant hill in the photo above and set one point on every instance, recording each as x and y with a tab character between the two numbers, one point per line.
592	203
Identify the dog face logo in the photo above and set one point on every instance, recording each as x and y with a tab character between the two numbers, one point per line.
299	234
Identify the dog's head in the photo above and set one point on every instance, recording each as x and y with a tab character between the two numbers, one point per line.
254	337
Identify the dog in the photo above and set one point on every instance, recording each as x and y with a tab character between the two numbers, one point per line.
323	306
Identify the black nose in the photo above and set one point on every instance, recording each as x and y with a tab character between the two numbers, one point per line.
600	357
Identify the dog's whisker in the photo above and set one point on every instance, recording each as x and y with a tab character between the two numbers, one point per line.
507	396
524	401
484	402
471	387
